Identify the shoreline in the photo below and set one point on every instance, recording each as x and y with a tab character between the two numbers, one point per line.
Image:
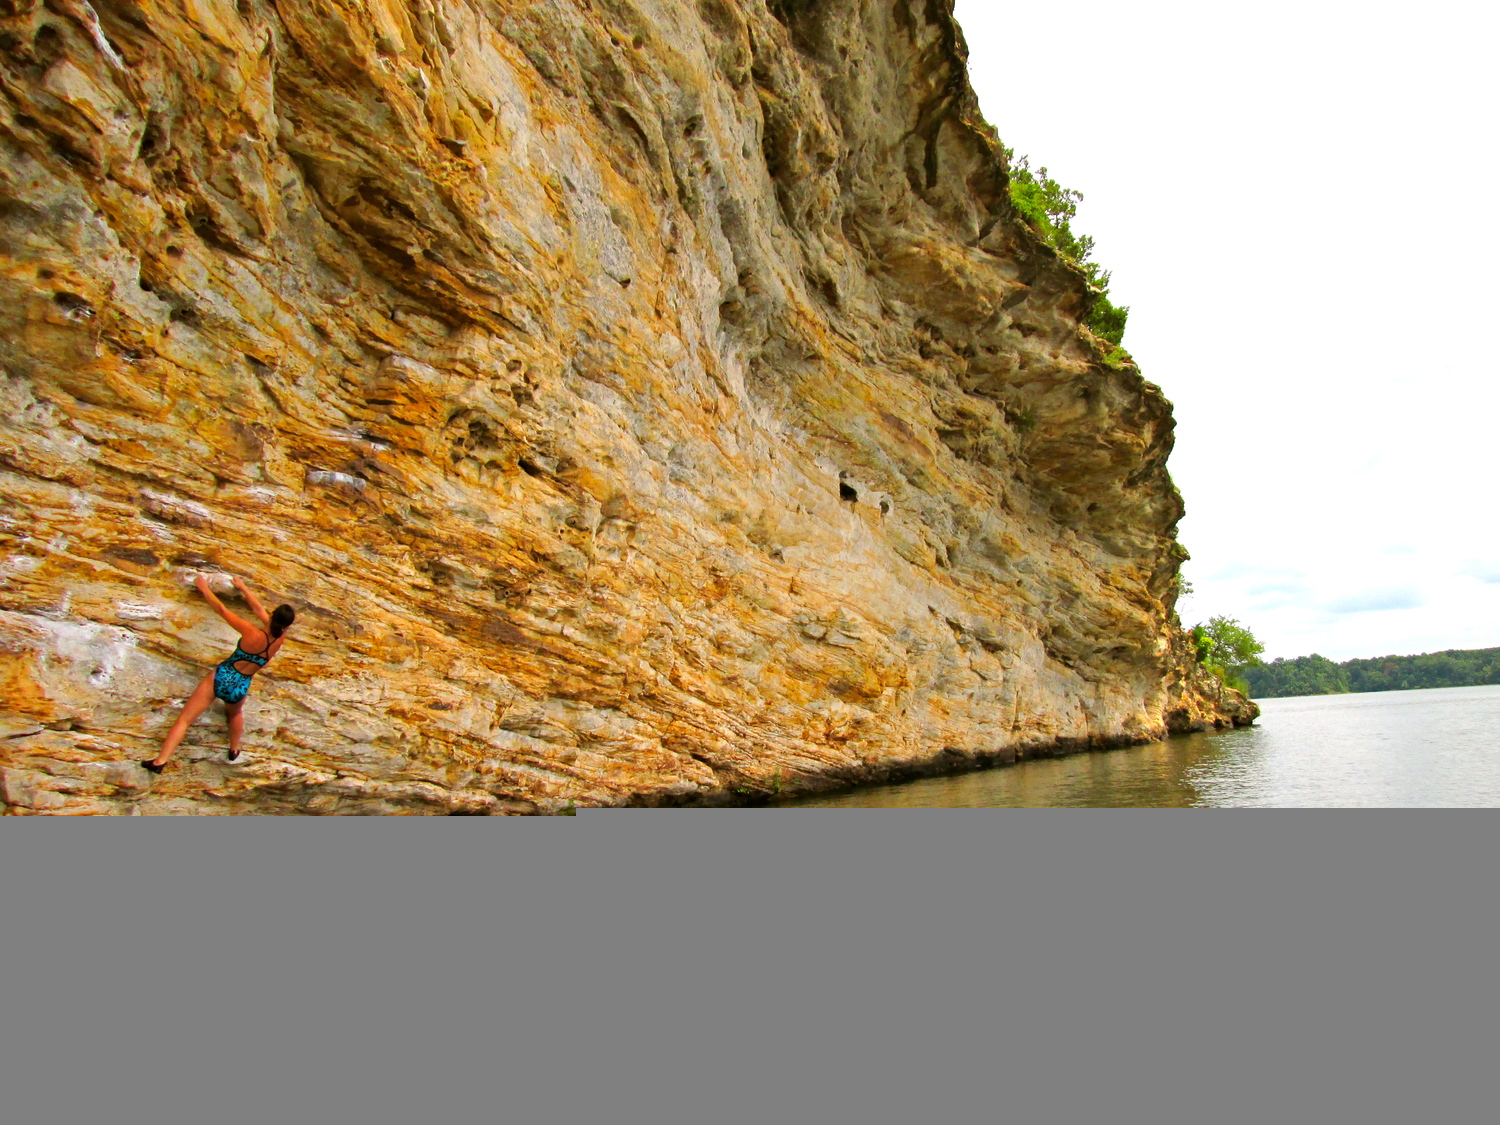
948	763
1373	691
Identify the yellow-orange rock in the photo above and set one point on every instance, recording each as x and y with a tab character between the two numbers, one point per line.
639	401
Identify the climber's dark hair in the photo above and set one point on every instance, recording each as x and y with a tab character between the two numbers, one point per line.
283	616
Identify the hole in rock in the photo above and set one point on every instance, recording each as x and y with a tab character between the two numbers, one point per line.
531	468
136	555
48	45
68	153
75	305
848	493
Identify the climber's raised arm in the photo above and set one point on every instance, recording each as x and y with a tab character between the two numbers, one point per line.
255	606
244	628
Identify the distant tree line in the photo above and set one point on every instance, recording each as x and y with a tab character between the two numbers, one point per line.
1317	675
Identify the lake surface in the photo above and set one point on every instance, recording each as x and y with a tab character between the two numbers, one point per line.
1392	749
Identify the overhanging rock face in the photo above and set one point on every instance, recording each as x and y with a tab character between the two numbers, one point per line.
639	402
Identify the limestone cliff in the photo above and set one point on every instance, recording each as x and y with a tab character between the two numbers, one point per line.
640	400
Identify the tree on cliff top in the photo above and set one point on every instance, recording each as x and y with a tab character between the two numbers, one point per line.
1049	208
1228	650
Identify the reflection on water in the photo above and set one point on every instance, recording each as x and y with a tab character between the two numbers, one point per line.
1439	747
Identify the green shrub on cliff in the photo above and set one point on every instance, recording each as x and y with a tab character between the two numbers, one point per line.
1203	644
1228	650
1049	208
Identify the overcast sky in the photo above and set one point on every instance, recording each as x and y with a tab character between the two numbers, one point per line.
1297	201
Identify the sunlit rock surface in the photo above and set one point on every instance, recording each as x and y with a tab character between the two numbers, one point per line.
640	402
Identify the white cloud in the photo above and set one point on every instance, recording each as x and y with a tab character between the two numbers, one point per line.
1484	571
1370	601
1242	569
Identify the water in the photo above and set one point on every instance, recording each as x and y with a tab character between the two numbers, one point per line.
1394	749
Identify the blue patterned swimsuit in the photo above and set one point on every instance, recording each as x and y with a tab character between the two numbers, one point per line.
230	684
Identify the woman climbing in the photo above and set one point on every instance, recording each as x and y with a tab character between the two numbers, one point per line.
230	681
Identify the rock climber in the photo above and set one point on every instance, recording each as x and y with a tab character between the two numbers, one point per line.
230	680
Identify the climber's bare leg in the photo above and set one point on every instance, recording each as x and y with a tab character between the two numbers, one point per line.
197	703
235	713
